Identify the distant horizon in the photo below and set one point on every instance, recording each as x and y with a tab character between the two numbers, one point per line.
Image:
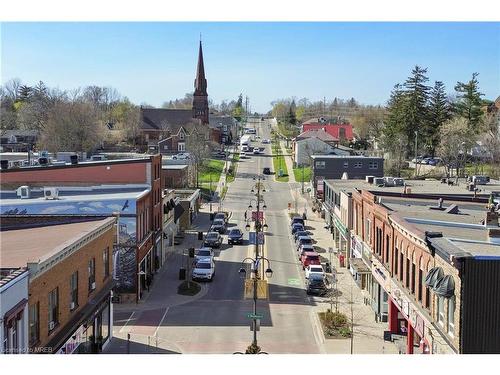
154	62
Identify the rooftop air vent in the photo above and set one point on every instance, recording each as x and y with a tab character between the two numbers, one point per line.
51	192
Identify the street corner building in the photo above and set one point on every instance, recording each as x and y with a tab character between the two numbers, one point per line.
69	287
427	258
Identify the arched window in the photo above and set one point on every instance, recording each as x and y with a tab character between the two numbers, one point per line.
427	303
451	316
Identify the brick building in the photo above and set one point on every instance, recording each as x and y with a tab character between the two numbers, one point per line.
70	282
341	131
422	250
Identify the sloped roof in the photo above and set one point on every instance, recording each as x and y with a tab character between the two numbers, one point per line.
158	118
317	133
17	133
214	121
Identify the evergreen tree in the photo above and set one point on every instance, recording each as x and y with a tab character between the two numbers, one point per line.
469	102
416	110
292	116
238	110
439	113
25	93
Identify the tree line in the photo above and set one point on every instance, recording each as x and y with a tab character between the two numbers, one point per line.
75	120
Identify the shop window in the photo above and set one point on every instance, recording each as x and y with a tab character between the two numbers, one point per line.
53	309
91	274
105	261
73	287
440	310
34	323
451	315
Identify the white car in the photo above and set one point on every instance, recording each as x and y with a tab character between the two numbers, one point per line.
266	141
181	156
204	253
204	269
256	151
243	155
314	269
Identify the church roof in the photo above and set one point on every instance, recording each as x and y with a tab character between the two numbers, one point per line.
200	82
158	118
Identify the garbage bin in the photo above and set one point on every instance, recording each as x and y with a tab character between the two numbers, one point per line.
182	274
200	236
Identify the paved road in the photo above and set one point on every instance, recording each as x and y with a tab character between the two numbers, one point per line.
217	322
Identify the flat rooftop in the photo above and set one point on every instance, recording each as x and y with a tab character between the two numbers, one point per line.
430	186
35	245
174	166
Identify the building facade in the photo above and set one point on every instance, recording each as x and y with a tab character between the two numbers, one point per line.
14	310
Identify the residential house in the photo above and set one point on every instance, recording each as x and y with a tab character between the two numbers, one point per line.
342	131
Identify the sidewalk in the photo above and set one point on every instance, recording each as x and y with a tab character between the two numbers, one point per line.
141	321
368	334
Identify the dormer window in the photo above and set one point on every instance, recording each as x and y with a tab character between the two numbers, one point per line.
181	135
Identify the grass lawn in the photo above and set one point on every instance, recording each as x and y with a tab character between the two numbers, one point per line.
298	174
483	169
210	171
279	160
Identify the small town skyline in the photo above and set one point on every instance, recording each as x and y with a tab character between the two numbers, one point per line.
157	61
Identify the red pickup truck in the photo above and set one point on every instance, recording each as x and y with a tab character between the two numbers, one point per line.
309	257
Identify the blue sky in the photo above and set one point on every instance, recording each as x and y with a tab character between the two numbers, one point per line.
156	62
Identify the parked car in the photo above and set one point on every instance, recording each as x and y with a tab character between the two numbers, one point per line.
304	240
204	253
256	151
204	269
235	236
300	233
266	141
219	226
243	155
297	219
212	239
305	249
308	258
317	285
297	227
434	161
315	269
181	156
266	170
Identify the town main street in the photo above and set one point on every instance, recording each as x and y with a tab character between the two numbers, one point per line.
215	320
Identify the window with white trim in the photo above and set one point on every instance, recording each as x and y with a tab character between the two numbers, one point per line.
181	146
320	165
373	165
451	316
440	310
346	164
358	164
181	135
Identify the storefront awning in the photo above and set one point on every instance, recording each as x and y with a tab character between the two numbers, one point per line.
433	277
178	211
445	287
359	266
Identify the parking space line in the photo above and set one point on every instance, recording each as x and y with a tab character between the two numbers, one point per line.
128	320
161	321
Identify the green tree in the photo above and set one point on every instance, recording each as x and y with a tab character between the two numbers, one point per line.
469	102
416	108
292	117
439	113
238	110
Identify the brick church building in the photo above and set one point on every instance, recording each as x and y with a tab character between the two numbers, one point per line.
167	130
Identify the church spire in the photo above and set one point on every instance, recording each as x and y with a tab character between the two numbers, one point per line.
200	82
200	97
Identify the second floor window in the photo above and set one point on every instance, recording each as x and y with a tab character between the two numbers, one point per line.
368	230
73	284
373	165
53	308
181	146
91	274
358	164
440	310
34	323
451	315
105	261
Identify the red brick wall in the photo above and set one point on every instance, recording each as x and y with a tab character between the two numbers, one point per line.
174	178
108	173
59	276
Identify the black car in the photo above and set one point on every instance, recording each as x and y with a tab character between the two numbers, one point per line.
297	227
235	236
219	225
300	233
266	170
220	215
297	219
212	239
317	284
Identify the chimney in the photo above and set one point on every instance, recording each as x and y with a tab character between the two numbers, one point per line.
491	220
494	235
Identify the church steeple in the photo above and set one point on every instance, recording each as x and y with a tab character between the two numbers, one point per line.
200	97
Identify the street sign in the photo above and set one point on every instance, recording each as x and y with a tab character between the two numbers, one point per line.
254	215
252	236
255	316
